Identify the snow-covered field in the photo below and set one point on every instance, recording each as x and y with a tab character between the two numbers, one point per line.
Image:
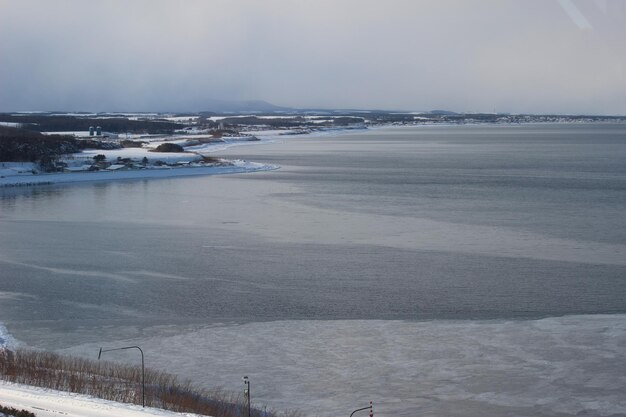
135	153
181	118
77	133
10	124
50	403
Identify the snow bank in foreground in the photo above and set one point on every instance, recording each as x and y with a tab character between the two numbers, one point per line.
50	403
74	177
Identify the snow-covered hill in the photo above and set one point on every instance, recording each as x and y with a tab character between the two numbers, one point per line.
50	403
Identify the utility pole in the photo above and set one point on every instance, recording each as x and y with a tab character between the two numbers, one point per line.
246	392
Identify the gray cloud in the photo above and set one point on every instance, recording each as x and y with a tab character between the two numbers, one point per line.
511	55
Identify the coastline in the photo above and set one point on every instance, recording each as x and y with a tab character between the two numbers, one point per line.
197	151
194	151
238	167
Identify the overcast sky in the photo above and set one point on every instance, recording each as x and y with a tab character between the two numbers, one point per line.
542	56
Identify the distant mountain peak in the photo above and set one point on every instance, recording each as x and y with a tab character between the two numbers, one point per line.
238	106
443	112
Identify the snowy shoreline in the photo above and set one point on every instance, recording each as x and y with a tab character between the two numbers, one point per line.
237	167
192	154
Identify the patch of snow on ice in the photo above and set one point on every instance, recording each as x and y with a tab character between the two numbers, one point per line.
6	340
181	118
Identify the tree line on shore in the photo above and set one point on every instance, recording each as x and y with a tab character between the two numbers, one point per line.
21	145
64	123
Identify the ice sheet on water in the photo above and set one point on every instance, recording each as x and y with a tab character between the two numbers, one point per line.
225	143
553	366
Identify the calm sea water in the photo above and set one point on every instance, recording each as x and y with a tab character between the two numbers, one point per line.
340	260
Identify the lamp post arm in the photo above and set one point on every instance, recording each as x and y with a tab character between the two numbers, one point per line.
361	409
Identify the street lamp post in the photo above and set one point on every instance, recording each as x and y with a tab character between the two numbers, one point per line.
369	407
143	369
246	392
